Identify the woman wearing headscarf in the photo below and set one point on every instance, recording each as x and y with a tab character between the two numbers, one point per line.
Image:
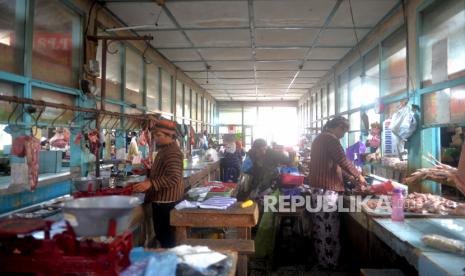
164	186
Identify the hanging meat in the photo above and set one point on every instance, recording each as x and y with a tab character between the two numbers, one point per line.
142	139
147	137
192	135
60	139
77	139
94	141
29	147
32	156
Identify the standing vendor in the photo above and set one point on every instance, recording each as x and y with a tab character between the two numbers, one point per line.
164	186
328	169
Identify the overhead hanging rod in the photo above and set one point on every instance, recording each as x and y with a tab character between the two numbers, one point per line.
19	100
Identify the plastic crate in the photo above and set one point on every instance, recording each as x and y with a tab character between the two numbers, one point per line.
221	188
219	184
291	179
288	170
291	191
227	193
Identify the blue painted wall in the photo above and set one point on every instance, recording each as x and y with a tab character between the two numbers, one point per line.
10	202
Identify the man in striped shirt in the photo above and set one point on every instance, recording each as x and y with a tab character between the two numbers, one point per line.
164	187
329	167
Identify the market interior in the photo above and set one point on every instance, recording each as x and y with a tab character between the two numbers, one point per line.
132	133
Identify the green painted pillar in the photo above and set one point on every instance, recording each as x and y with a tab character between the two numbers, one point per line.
420	144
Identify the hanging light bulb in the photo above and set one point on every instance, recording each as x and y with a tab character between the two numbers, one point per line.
208	68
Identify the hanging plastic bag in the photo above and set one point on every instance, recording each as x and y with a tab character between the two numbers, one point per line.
403	123
19	175
136	160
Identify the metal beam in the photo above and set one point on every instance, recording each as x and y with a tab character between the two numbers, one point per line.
260	61
257	47
152	1
276	70
257	103
148	28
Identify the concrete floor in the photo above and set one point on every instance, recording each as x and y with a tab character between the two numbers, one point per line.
293	255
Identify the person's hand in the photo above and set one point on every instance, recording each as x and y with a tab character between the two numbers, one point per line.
362	181
362	185
142	187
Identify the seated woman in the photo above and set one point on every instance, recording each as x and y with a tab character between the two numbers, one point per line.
230	164
261	168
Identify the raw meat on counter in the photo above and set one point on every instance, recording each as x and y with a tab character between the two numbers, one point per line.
29	147
459	211
382	188
376	203
428	203
394	163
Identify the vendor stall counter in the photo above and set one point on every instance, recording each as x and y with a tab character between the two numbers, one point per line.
366	230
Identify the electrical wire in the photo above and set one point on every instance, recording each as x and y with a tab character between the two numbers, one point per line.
408	77
144	58
89	15
355	31
158	17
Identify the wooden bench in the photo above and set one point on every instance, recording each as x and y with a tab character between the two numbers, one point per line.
242	247
233	217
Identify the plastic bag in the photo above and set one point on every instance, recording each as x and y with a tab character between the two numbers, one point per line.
211	155
247	165
403	123
136	160
150	263
19	175
444	244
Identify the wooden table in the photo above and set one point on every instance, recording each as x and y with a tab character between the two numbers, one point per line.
234	217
